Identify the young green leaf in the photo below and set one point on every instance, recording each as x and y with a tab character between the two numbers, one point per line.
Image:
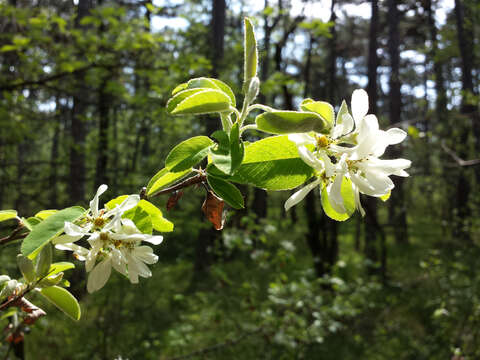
348	201
49	228
188	154
199	101
226	191
287	122
250	55
210	83
7	215
141	218
273	164
237	149
58	267
63	300
31	222
45	214
159	223
44	261
50	280
322	108
26	268
163	178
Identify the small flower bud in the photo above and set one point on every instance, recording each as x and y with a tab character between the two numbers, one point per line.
253	89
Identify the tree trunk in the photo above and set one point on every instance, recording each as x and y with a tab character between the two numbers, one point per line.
371	220
78	129
471	119
397	210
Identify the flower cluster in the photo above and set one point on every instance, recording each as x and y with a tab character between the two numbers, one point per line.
114	242
347	160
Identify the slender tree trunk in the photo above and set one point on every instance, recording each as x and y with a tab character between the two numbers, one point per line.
77	175
53	178
397	210
372	233
471	120
208	236
101	176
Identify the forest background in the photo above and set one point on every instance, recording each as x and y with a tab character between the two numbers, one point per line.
83	88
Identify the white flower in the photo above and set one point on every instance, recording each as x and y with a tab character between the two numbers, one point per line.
114	242
359	161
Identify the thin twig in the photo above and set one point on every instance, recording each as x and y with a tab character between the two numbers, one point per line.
15	235
200	178
457	159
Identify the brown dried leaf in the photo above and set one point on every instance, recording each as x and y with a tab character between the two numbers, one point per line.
173	199
213	209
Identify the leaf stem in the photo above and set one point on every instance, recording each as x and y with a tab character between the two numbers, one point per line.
248	127
260	107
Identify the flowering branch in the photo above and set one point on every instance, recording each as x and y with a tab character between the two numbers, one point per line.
197	179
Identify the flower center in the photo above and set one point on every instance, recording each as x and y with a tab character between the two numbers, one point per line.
99	222
322	141
104	237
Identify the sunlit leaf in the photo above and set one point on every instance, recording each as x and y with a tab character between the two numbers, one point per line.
49	228
188	154
63	300
273	164
287	122
227	192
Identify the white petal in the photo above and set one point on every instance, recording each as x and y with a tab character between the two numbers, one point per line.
362	184
72	247
309	159
130	202
65	239
75	230
145	254
358	204
380	183
335	196
118	262
395	136
300	194
94	203
337	131
388	167
359	104
348	123
302	139
329	167
98	277
155	240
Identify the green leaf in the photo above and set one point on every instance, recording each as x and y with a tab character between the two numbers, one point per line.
7	215
229	153
322	108
188	153
51	280
30	222
115	202
58	267
273	164
210	83
198	101
159	223
51	227
226	191
8	312
250	55
26	268
237	149
163	178
44	261
63	300
287	122
348	201
141	218
45	214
